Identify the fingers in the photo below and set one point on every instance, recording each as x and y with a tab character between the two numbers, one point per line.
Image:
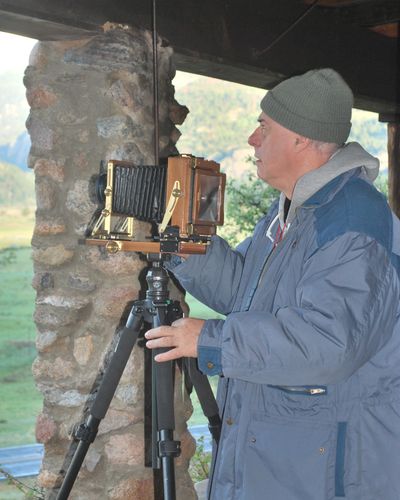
159	337
181	337
160	331
164	337
168	356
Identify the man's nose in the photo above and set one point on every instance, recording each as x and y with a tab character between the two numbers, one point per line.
253	140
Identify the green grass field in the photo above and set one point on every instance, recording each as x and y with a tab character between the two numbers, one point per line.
20	401
16	226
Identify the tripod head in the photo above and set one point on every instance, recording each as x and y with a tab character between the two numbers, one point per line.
157	279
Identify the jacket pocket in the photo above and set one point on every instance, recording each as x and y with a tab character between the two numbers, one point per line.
288	460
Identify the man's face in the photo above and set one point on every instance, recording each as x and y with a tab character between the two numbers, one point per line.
274	147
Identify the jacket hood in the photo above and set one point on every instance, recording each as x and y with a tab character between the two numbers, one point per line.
348	157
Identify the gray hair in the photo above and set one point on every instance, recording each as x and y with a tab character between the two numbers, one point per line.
328	148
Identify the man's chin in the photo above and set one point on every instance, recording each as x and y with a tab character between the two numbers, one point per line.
259	169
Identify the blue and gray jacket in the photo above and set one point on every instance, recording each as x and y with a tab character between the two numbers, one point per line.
309	353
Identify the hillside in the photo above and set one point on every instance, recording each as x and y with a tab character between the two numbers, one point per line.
223	115
16	186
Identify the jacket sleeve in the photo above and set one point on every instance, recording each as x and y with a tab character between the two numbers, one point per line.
345	311
213	278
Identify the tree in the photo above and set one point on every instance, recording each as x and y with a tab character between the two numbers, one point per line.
246	202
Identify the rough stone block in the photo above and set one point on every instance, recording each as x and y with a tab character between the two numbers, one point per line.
128	151
49	227
115	420
112	265
43	281
69	399
46	428
129	394
78	201
81	159
111	51
52	256
133	489
40	97
44	340
81	283
111	302
68	116
42	137
188	448
47	479
54	317
177	113
38	56
83	349
49	168
57	369
59	310
92	459
125	449
46	195
123	94
64	301
118	126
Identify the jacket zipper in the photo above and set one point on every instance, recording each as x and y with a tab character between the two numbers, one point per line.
311	391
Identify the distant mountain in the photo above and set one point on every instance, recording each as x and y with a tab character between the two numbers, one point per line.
16	187
14	109
17	153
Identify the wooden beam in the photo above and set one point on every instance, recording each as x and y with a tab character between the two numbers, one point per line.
223	38
394	166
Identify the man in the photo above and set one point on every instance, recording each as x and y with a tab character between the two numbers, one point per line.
309	351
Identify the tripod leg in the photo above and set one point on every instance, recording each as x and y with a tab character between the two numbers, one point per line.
86	433
163	406
205	395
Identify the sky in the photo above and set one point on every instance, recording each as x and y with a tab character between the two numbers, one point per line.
14	52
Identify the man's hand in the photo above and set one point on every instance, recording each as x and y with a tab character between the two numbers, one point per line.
181	337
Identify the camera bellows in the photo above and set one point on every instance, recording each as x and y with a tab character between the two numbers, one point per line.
139	191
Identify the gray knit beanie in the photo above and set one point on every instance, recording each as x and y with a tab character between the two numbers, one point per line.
316	105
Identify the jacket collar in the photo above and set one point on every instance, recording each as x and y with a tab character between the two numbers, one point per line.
348	158
325	194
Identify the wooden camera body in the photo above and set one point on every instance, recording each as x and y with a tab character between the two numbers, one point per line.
187	195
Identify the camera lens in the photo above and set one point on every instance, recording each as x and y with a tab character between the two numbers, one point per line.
100	186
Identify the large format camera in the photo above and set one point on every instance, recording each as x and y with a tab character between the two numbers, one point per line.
184	200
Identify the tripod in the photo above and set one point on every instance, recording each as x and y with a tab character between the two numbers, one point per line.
156	309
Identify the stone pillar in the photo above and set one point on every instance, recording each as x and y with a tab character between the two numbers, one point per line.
91	100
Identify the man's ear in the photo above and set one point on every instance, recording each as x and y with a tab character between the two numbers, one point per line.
301	143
